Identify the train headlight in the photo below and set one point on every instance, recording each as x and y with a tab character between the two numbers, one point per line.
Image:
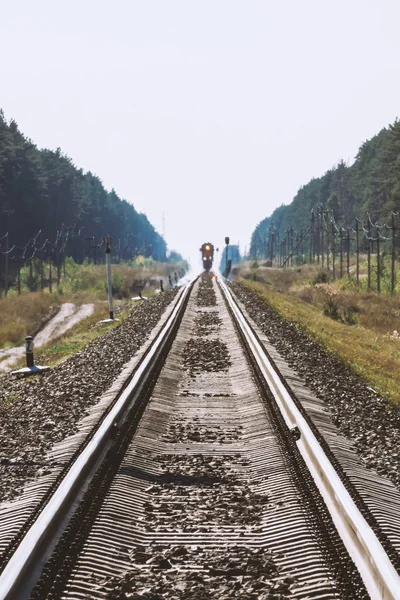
207	247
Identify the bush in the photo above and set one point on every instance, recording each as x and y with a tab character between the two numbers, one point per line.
349	283
331	309
305	293
321	277
350	316
119	285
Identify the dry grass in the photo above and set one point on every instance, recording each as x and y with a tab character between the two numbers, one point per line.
76	338
378	312
368	347
23	315
127	280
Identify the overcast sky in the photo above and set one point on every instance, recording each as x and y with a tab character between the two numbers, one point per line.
212	112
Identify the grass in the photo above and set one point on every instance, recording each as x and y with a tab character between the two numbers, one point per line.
366	345
25	314
22	315
77	337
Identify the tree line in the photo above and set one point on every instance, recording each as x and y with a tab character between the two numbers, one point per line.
367	190
50	207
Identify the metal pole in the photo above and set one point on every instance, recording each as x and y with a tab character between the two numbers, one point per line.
311	236
109	280
226	257
41	267
58	271
327	248
378	264
19	278
357	254
393	254
29	351
333	251
341	251
301	246
348	252
271	245
291	245
30	274
50	277
369	254
6	268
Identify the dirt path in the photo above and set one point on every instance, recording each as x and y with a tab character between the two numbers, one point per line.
68	315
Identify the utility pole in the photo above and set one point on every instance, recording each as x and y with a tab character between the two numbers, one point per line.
108	242
392	284
227	269
50	272
341	250
312	236
357	253
348	252
369	253
322	236
6	267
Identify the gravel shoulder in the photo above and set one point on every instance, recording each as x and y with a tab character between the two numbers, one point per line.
361	415
37	412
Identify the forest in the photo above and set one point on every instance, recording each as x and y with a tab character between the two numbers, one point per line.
369	188
51	208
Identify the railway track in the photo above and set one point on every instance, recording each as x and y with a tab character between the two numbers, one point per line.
204	478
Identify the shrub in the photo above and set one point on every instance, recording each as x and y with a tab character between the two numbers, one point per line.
331	309
305	293
119	285
350	316
321	277
348	283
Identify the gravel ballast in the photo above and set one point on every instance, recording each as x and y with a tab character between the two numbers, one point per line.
201	494
359	412
181	572
37	412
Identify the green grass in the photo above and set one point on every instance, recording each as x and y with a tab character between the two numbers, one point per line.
68	347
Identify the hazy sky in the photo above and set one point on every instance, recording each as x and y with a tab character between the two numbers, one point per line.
213	112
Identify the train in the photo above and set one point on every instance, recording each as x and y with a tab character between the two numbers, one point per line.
207	255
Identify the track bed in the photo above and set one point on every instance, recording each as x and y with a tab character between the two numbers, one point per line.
206	494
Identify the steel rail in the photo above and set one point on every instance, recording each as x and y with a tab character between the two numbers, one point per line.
378	573
59	504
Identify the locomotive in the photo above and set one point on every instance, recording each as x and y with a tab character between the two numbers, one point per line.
207	254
